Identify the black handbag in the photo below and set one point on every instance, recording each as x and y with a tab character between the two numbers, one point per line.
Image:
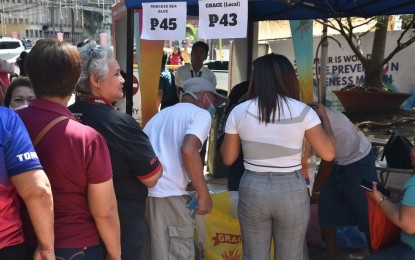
397	151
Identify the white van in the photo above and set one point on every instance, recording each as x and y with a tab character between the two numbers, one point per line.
10	48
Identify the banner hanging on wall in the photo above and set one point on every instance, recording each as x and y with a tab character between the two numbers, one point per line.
164	21
223	19
302	39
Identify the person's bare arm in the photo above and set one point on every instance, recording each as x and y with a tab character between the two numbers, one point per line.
103	207
324	172
6	66
230	148
152	181
34	188
401	215
192	163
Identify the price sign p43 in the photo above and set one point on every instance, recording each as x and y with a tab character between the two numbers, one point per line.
223	19
164	21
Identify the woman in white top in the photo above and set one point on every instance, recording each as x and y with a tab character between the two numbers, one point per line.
271	125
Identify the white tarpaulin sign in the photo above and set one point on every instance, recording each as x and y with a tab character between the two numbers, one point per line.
164	21
343	66
223	19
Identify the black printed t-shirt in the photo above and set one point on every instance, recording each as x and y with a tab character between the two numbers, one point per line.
132	155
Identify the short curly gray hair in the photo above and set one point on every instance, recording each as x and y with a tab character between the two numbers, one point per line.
94	60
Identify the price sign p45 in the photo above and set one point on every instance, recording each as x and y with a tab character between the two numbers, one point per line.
164	21
223	19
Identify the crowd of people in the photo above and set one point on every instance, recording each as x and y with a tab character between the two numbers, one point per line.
86	181
100	182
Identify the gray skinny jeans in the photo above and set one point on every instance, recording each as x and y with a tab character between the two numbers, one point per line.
273	206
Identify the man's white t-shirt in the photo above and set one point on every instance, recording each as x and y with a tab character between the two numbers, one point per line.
166	131
186	72
276	146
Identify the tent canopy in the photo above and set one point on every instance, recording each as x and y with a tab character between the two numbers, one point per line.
263	10
306	9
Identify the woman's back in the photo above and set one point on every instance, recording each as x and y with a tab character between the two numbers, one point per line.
276	146
69	153
271	126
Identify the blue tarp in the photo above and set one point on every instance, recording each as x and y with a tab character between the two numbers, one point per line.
306	9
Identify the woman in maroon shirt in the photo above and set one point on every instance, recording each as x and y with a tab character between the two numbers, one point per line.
175	58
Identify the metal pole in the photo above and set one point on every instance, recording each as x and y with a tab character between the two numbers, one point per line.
250	36
52	19
323	66
129	70
73	27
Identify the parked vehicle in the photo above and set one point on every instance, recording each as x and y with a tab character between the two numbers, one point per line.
27	43
10	48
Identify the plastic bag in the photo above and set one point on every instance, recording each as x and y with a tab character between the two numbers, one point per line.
218	233
308	165
350	238
383	232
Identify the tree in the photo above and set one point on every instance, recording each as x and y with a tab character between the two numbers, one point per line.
94	19
192	32
373	64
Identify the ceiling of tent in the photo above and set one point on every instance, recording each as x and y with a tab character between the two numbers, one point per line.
306	9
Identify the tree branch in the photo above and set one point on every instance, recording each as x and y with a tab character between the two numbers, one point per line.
399	45
347	33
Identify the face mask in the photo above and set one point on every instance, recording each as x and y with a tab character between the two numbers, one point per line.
211	108
19	107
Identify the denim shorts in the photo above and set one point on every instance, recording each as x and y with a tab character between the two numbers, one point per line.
342	201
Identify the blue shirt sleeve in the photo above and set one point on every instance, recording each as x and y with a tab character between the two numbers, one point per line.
409	193
17	151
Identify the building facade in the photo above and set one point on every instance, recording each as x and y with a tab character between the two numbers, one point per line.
37	19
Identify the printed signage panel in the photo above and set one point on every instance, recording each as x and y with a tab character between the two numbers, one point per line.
164	21
343	66
223	19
